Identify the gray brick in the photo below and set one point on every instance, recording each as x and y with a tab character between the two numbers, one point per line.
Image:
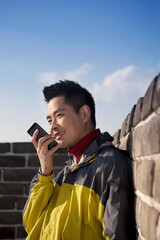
7	202
139	237
127	123
130	120
12	161
21	233
27	147
27	187
146	138
158	229
144	176
19	174
124	127
135	172
137	212
23	147
156	95
123	144
149	219
150	137
5	147
59	160
130	144
138	174
137	113
62	150
156	190
21	202
147	101
137	142
11	188
33	161
7	232
10	217
116	137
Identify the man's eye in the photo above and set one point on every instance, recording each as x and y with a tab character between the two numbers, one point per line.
49	121
59	115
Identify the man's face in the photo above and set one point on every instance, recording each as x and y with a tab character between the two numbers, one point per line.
65	124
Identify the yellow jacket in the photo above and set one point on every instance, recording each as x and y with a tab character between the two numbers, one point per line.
90	201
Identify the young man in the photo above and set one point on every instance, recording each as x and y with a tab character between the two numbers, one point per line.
92	197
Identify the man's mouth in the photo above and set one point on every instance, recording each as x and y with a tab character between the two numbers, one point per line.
58	135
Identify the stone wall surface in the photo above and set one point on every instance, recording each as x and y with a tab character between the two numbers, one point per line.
18	165
139	134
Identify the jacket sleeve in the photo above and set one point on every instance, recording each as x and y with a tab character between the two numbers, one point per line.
118	218
39	197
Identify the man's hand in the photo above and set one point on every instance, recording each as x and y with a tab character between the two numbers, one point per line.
45	155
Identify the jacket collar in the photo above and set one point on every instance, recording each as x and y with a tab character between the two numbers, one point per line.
83	144
104	140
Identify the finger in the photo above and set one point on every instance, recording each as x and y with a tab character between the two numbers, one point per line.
52	150
34	138
47	141
43	140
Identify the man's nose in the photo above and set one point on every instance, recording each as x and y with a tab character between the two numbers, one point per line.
53	126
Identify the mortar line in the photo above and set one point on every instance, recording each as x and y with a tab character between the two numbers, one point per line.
148	200
139	232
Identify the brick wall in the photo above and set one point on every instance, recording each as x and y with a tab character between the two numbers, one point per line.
18	165
140	135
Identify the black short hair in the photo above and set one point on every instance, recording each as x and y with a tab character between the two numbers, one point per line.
75	95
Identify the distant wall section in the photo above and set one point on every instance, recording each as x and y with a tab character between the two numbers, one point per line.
18	165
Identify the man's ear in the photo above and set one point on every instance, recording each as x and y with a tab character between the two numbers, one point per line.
85	113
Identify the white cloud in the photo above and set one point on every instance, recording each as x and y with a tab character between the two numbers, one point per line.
75	75
126	84
78	73
48	77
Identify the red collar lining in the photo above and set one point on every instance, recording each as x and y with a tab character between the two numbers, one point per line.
78	149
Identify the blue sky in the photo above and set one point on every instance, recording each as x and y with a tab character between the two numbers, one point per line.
110	47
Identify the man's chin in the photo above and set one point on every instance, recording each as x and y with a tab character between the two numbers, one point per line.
63	145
